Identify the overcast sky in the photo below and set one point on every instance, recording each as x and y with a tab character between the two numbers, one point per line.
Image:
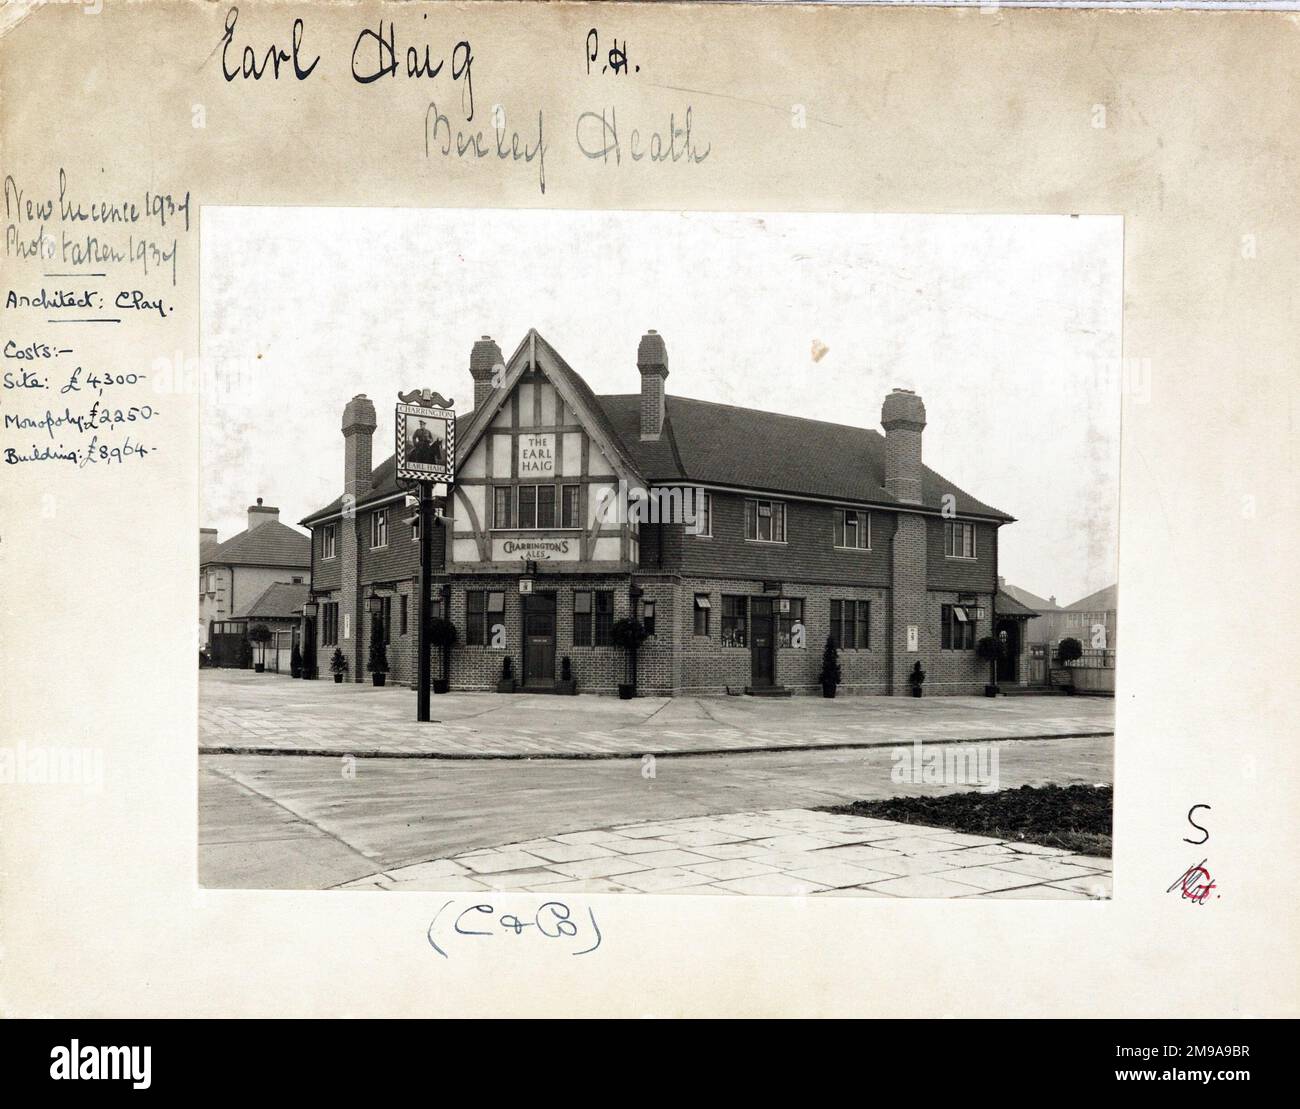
1008	327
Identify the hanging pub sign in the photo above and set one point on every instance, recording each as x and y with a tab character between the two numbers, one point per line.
426	437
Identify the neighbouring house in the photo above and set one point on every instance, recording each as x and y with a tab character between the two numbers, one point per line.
279	607
741	538
1091	620
235	573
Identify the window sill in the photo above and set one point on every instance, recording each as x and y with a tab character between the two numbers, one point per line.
861	550
962	558
769	542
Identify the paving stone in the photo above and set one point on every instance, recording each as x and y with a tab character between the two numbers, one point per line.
729	850
602	867
700	838
988	878
1096	886
796	842
1092	862
435	868
641	846
839	875
664	879
568	852
494	861
921	885
772	884
1037	893
917	845
450	883
1042	868
910	865
730	868
675	857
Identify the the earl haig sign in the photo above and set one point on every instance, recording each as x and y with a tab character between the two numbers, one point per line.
536	456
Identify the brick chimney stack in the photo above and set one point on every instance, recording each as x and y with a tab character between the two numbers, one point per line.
652	361
903	418
359	425
483	361
206	536
259	515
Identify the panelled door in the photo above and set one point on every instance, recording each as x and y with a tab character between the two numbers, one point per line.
539	640
762	641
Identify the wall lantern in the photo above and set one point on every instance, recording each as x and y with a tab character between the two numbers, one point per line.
376	604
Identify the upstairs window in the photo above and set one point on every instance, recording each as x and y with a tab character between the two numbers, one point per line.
503	506
703	514
527	506
569	506
379	528
765	521
959	539
852	529
327	535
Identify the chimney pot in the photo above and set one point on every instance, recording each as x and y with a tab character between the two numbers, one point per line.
259	514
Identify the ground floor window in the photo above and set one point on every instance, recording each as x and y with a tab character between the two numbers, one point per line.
402	614
735	623
957	631
786	620
851	624
386	619
329	624
484	608
702	608
593	617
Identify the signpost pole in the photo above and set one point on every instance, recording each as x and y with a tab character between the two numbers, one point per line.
426	599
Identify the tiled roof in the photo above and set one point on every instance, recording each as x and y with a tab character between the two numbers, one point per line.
1006	605
1104	600
269	544
721	444
1029	600
281	601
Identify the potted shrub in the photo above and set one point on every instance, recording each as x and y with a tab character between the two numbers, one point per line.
567	683
378	664
338	665
1067	651
916	677
443	635
295	662
506	683
205	659
830	675
991	649
261	635
629	633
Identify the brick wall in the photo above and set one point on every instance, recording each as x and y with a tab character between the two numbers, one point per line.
977	574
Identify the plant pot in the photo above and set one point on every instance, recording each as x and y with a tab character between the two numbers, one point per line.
506	685
828	689
296	672
916	691
378	679
441	685
568	686
338	679
991	691
626	692
259	667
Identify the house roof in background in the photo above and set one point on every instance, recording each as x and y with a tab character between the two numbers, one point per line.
281	601
1029	600
1104	600
1007	605
269	544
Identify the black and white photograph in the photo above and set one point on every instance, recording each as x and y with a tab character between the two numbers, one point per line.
809	588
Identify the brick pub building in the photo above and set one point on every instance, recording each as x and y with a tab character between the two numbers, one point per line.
798	529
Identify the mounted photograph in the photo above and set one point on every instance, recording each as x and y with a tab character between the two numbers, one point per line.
774	555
